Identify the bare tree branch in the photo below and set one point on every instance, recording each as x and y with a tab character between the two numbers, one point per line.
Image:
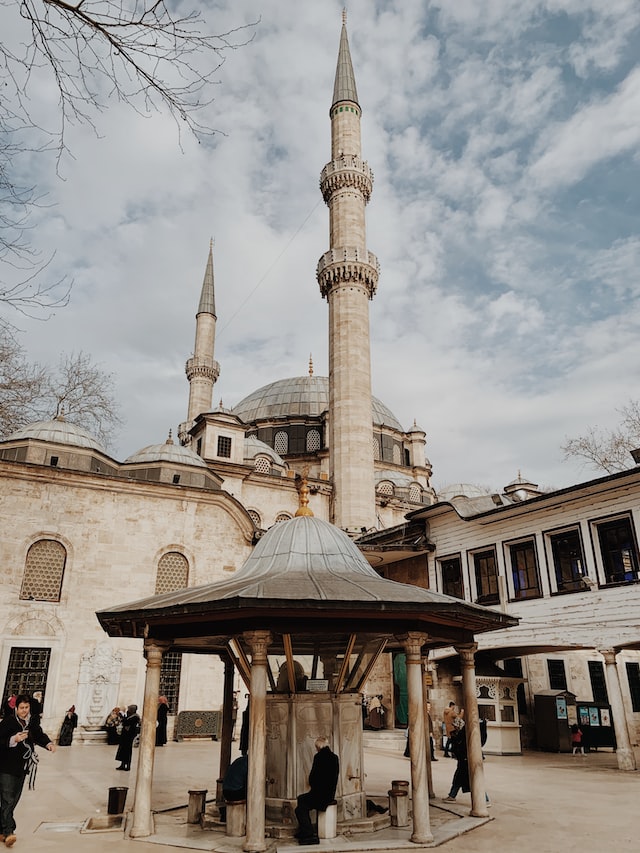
608	450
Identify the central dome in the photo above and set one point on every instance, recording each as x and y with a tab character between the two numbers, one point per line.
300	395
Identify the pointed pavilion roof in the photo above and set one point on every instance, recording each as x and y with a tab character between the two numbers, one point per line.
344	87
207	296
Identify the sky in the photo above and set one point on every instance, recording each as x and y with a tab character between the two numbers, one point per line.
504	137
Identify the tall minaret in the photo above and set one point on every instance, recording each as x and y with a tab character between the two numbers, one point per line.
348	276
202	369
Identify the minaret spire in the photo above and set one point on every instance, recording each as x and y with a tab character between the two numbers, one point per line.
348	277
202	369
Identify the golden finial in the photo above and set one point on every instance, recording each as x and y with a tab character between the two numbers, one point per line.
310	365
169	439
344	16
303	492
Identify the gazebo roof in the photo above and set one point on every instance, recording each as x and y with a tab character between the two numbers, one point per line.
307	580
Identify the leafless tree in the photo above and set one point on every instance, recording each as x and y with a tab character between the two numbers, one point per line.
148	54
76	388
608	450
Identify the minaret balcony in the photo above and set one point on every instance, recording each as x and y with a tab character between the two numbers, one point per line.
346	171
206	368
348	264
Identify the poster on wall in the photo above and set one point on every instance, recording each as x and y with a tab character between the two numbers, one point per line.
584	715
594	717
561	708
605	717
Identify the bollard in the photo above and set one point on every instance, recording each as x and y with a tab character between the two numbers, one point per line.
237	818
196	805
328	821
399	807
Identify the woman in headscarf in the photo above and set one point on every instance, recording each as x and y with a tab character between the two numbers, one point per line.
69	723
161	728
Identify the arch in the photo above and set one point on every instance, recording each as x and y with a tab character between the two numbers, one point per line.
172	572
43	574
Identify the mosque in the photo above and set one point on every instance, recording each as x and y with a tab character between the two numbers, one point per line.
83	531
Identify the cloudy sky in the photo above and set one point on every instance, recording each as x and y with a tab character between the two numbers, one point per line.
504	136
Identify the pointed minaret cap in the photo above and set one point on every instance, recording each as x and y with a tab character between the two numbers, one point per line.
344	88
207	296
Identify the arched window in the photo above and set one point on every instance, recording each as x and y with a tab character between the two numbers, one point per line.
415	493
173	572
44	571
282	516
255	517
385	488
281	443
263	465
376	447
313	440
396	454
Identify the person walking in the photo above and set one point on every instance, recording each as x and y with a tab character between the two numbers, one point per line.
450	714
69	723
576	739
19	736
130	728
113	725
161	727
323	781
458	746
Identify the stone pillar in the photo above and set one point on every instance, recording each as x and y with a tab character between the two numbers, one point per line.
624	750
142	820
425	699
258	641
472	727
413	642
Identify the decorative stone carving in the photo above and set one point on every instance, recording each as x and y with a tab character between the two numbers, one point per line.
98	685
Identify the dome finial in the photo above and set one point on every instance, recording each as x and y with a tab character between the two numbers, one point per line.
303	493
344	16
310	365
169	439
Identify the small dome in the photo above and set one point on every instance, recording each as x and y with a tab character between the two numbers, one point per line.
461	490
394	477
416	428
167	452
300	395
254	447
58	431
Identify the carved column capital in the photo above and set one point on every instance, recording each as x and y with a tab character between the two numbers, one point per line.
154	650
259	642
467	652
609	655
413	642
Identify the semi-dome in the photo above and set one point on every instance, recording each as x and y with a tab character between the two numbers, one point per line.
57	430
254	447
167	452
300	396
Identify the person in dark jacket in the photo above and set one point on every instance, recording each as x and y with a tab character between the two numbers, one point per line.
19	735
161	728
458	746
130	728
69	724
323	780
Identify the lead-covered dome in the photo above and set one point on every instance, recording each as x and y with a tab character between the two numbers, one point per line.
300	396
58	431
167	452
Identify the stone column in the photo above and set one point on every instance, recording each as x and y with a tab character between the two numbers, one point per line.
624	750
258	641
142	819
427	736
472	727
413	642
227	715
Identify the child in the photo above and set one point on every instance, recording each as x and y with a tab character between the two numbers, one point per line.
576	739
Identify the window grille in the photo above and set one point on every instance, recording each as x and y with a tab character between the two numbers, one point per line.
262	465
44	571
313	440
255	517
281	443
27	671
224	446
282	516
173	572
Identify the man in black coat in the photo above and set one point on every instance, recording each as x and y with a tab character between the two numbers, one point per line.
19	735
323	780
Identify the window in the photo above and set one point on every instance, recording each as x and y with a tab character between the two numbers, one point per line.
386	488
376	447
44	571
224	446
396	454
452	577
262	465
27	671
568	560
282	516
170	679
618	549
255	517
173	572
313	440
557	675
598	683
415	493
633	677
281	443
524	570
486	577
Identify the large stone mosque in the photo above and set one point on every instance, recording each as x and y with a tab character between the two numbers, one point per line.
83	531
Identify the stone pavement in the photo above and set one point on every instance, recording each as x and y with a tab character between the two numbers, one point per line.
541	802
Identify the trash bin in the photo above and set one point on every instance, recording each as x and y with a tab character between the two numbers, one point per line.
117	799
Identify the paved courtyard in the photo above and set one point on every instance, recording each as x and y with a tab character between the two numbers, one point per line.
541	802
